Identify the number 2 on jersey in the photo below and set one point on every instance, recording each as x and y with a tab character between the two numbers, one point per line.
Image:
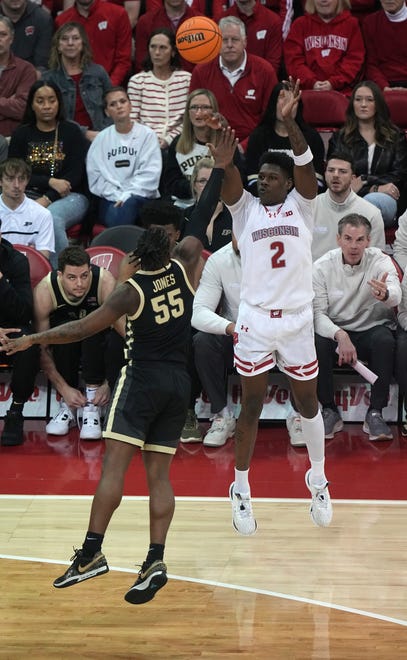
277	260
166	305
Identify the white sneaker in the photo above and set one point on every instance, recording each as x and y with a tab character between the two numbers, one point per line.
62	422
242	515
221	429
293	423
91	428
321	506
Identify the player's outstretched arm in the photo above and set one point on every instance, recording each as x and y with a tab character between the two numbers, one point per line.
123	300
223	153
305	180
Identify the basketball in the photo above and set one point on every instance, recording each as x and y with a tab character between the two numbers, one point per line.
199	39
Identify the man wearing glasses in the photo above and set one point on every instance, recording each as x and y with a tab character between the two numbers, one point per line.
241	82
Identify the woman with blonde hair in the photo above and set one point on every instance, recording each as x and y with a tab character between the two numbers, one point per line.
82	82
210	207
191	145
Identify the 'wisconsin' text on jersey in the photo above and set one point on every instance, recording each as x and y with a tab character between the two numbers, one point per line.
269	232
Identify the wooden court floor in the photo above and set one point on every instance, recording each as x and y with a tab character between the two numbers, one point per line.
293	590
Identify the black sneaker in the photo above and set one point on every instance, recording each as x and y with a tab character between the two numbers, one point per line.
404	429
82	568
150	580
13	429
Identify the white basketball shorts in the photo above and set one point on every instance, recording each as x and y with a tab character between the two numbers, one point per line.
266	338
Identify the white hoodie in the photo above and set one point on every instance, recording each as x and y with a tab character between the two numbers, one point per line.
120	165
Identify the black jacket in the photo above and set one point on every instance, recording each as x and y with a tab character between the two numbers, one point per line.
389	163
16	298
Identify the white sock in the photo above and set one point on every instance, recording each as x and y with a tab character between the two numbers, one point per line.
314	436
223	413
90	394
242	482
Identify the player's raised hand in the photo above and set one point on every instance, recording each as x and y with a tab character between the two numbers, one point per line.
225	147
215	121
290	95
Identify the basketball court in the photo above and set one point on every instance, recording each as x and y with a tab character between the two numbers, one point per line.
292	590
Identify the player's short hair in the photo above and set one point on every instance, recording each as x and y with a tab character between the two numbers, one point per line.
354	220
161	212
117	88
281	159
73	255
153	248
235	21
342	155
13	166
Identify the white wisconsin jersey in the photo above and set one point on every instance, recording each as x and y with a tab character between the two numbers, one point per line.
275	248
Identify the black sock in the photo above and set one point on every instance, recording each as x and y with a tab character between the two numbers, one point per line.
17	407
92	544
155	553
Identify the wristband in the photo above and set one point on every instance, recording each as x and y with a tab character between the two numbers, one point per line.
304	159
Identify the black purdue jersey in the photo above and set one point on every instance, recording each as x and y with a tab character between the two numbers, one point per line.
64	309
160	329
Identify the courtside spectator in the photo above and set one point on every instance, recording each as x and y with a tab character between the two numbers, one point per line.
83	83
190	146
23	221
263	30
356	289
33	28
158	95
109	31
123	164
385	34
219	229
241	82
16	311
17	77
171	14
324	48
340	200
378	149
56	150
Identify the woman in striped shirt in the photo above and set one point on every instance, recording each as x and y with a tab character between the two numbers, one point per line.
158	94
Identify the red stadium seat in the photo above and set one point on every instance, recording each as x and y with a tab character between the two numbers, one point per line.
397	102
106	257
39	265
324	109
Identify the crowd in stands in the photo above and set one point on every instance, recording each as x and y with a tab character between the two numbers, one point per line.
100	115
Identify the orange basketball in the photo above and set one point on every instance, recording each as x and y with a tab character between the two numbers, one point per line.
199	39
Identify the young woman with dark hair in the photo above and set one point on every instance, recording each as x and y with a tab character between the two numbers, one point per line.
378	148
56	150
